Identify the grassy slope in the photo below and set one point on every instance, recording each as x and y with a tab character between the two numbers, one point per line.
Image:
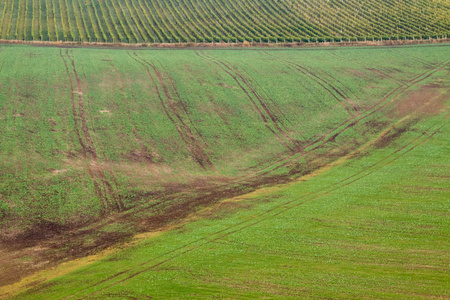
114	131
51	160
373	225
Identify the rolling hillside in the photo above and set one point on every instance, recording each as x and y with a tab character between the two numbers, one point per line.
156	21
97	145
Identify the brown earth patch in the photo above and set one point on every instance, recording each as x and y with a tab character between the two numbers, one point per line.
428	99
224	85
54	171
357	73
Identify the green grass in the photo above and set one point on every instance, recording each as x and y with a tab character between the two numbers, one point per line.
373	226
97	145
138	124
196	21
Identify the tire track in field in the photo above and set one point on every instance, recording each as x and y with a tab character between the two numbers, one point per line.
175	92
116	195
334	133
275	120
350	107
104	190
255	87
175	100
279	133
258	86
172	112
380	73
98	167
148	154
275	211
417	59
343	86
350	179
344	94
97	190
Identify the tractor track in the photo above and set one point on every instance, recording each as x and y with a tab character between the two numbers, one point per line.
380	73
249	82
197	148
257	86
174	90
105	165
341	89
351	109
329	136
170	108
417	59
271	213
97	189
149	155
270	116
104	190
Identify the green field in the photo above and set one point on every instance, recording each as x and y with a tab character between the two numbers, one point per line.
156	21
345	150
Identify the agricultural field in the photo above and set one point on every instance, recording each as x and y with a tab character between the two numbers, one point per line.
156	21
242	173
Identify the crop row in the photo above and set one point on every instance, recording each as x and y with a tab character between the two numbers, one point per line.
133	21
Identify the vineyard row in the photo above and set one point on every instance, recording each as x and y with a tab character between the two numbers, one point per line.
136	21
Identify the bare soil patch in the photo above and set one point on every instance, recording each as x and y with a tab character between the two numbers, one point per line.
428	100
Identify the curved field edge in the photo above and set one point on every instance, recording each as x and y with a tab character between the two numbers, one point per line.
96	154
332	233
